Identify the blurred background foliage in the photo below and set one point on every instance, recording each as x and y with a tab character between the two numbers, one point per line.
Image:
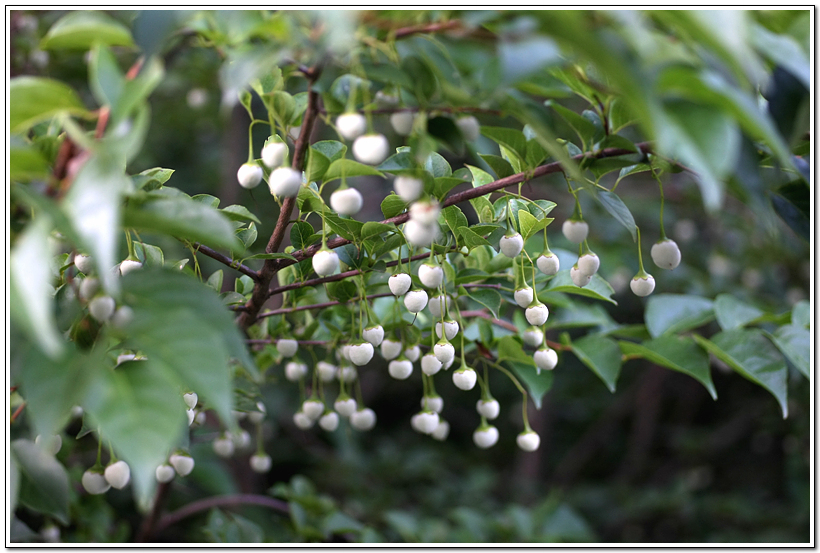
657	461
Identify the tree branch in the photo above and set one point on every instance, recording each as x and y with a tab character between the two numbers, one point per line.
225	260
222	501
315	306
427	28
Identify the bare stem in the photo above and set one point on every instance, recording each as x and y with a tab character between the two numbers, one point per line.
225	260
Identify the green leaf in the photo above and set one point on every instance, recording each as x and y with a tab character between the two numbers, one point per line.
471	238
248	235
445	130
511	139
801	314
498	164
309	200
182	217
300	235
349	168
148	255
273	256
331	149
454	218
442	185
372	228
731	313
792	202
487	297
582	126
392	205
529	224
151	179
795	343
43	481
400	164
31	272
577	314
106	79
671	313
36	99
602	355
215	280
677	353
751	355
317	165
342	291
79	30
437	166
240	213
615	207
598	288
782	50
25	161
207	199
537	384
424	80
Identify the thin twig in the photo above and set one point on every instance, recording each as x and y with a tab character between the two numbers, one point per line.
315	306
427	28
225	260
222	501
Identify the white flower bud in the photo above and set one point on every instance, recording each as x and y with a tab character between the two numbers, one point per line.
431	275
413	353
666	254
313	408
347	201
327	371
351	125
425	212
469	128
329	421
260	463
361	354
129	265
444	351
295	371
190	399
528	441
548	264
441	431
578	277
371	149
325	262
347	374
545	358
575	231
399	283
302	421
391	349
402	122
430	365
101	308
400	369
523	296
88	288
285	182
273	155
84	263
488	408
287	346
642	286
588	264
533	336
164	474
486	437
345	407
437	305
415	300
511	245
432	403
183	464
450	329
408	188
420	234
465	379
374	334
426	422
363	419
122	316
191	416
223	446
537	314
241	440
94	482
249	175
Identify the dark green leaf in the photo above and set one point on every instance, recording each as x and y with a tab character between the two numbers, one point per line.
795	342
445	130
348	168
148	255
79	30
792	202
442	185
400	164
488	298
437	166
615	207
317	165
309	200
577	314
602	355
671	313
240	213
151	179
425	83
511	139
300	234
471	239
331	149
537	382
44	483
372	228
392	205
342	291
499	165
272	256
731	313
677	353
597	288
454	218
583	127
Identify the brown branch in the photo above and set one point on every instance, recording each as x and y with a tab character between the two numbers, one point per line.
269	268
17	412
222	501
427	28
470	194
225	260
315	306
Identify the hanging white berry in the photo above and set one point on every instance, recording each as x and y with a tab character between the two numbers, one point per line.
327	371
413	353
182	462
537	314
102	308
589	263
488	408
465	378
545	358
444	351
575	231
302	421
287	346
241	440
285	182
273	154
351	125
313	408
431	275
325	262
485	436
94	481
523	296
437	305
374	334
400	369
402	122
469	128
84	263
430	365
421	234
533	336
441	431
427	422
295	371
50	444
190	399
329	421
129	265
191	413
361	354
363	419
432	403
249	175
199	418
450	329
345	406
89	288
122	316
415	300
260	463
346	373
391	349
347	201
164	474
118	474
371	149
408	188
642	286
579	278
425	212
528	440
511	245
548	264
399	284
223	446
666	254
